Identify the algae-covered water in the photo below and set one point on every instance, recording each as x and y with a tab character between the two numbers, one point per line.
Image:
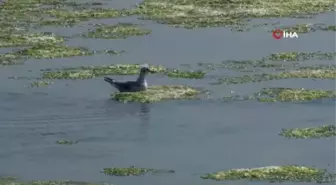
192	137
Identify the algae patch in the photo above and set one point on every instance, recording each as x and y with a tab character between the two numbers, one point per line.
185	74
305	28
6	179
275	61
304	73
86	14
66	142
301	56
133	171
87	72
312	132
54	51
293	95
40	83
59	22
157	93
247	65
33	13
49	51
274	174
283	95
12	40
10	59
205	13
65	182
120	30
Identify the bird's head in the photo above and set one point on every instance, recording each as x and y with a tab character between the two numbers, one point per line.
145	69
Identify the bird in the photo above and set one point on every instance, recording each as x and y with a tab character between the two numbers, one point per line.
132	86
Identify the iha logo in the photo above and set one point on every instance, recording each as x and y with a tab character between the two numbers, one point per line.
279	34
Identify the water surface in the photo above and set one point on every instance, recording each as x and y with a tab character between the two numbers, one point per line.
191	137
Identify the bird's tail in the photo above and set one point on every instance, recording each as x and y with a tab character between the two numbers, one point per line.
109	80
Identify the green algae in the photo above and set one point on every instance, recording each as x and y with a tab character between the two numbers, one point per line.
299	28
87	72
301	56
157	93
65	182
133	171
330	28
23	13
35	11
176	73
86	14
304	73
120	30
34	14
12	40
305	28
69	16
126	171
95	71
66	142
245	79
8	28
250	65
49	51
205	13
293	95
10	59
312	132
59	22
292	173
274	61
283	95
6	179
309	73
40	51
238	98
18	17
40	83
318	67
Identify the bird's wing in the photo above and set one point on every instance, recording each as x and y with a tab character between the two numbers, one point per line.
125	86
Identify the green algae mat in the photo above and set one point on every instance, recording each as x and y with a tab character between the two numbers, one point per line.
306	28
311	132
294	74
133	171
280	94
120	30
187	13
212	13
87	72
18	17
158	93
290	64
40	83
275	174
29	39
293	95
12	181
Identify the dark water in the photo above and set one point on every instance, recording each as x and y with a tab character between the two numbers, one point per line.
191	137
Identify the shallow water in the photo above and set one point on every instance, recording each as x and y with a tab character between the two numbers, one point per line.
191	137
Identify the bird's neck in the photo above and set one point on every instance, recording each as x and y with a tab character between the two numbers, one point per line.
141	79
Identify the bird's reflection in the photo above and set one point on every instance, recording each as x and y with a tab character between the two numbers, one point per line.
119	111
